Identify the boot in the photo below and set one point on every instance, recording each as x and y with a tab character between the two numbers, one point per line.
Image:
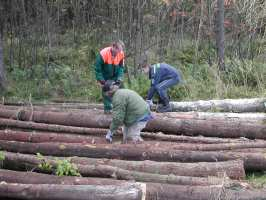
164	108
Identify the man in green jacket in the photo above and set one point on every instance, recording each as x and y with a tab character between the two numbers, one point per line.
110	66
129	110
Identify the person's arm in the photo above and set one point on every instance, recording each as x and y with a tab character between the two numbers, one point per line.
119	111
120	70
154	81
98	68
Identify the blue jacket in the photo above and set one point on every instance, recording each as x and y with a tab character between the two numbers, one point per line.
159	73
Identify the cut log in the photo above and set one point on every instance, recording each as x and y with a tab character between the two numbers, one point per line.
80	119
225	105
107	171
151	191
38	137
10	176
252	161
131	191
246	117
232	169
192	139
212	128
10	123
7	123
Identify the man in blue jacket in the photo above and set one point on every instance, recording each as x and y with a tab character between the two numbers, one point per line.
163	76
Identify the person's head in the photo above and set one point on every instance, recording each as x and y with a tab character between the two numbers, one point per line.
117	47
110	88
144	65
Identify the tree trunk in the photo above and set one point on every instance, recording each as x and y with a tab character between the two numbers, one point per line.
70	192
2	67
232	169
10	176
7	123
39	137
107	171
252	161
149	191
220	34
194	139
226	105
214	128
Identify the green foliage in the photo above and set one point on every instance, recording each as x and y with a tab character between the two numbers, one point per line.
44	165
66	168
2	156
257	179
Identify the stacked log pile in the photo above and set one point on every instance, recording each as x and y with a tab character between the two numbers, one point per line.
186	155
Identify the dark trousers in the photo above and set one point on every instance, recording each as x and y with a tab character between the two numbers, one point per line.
162	87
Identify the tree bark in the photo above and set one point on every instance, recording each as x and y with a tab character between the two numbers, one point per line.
225	105
194	139
2	67
70	192
149	191
179	171
39	137
214	128
233	169
252	161
220	39
7	123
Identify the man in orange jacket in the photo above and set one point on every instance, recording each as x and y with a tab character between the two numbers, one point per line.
110	66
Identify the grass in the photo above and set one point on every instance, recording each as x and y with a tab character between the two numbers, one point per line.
257	179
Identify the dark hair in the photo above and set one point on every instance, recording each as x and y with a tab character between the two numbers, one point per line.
107	86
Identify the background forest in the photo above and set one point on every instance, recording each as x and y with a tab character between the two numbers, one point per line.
48	47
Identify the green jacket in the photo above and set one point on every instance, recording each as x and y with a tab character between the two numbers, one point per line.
108	68
128	108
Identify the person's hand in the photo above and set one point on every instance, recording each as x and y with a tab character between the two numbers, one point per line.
101	83
149	102
109	136
118	82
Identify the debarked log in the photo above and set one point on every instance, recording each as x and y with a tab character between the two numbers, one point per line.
39	137
106	171
252	161
132	191
151	191
233	169
212	128
225	105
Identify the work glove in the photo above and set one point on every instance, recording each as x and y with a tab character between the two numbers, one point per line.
118	82
109	136
149	102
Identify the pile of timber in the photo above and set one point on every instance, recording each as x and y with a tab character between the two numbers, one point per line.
186	155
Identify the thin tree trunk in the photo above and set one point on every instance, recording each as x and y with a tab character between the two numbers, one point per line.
2	66
220	34
252	161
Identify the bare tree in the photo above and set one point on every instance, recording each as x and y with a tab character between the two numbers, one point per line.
220	34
